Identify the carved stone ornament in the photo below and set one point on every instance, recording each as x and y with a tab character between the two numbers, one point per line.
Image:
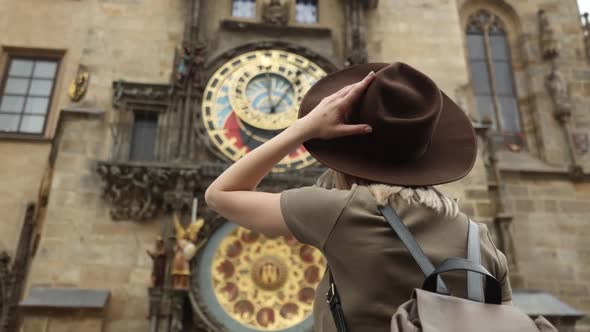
581	143
557	87
131	96
548	43
140	192
276	12
190	65
356	52
79	84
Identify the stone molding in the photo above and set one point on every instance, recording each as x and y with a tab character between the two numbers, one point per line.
142	191
140	96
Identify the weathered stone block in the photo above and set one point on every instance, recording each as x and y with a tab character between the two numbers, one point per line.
524	205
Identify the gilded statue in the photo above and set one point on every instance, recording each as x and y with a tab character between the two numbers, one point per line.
276	12
185	249
158	256
79	85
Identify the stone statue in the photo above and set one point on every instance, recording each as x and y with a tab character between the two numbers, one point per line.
184	250
549	46
184	64
159	263
557	87
276	12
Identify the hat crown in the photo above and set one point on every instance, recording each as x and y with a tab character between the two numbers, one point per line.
420	136
403	106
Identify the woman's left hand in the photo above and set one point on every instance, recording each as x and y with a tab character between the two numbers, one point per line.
327	119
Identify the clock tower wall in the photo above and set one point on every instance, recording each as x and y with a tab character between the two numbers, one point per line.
225	32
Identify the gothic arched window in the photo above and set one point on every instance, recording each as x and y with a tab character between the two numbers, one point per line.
491	75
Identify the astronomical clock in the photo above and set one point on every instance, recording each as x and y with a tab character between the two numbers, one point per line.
255	96
247	281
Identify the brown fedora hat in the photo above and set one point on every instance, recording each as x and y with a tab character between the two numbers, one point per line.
420	136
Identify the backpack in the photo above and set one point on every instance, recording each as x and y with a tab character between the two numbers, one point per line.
433	309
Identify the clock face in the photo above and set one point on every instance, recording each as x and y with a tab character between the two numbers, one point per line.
250	282
255	96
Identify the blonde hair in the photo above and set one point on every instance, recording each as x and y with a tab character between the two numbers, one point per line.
385	194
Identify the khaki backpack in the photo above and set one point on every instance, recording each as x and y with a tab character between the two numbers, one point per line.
433	309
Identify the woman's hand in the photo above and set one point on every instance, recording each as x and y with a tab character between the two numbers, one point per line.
327	119
233	194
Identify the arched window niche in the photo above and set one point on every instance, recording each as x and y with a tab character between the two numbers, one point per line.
489	36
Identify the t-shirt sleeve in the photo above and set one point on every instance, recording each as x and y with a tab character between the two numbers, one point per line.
502	274
505	279
311	212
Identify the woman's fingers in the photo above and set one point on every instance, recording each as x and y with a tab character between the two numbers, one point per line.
359	129
342	92
357	90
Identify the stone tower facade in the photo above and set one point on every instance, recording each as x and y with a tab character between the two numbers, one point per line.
103	137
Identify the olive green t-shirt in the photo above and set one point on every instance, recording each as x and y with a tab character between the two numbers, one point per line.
372	269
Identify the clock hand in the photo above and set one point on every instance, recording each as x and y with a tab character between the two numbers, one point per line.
269	91
283	96
299	72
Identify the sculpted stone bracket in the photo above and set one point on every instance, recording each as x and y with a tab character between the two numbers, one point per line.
143	191
140	96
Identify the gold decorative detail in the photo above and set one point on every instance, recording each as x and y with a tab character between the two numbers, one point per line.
253	97
269	272
189	233
79	85
184	250
265	283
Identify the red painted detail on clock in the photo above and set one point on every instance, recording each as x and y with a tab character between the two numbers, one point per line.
298	152
232	129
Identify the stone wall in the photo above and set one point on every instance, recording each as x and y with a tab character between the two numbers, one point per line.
551	229
21	170
80	245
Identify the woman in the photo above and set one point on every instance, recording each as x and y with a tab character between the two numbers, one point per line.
388	134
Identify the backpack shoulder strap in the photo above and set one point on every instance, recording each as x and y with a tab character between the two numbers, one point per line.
474	280
411	245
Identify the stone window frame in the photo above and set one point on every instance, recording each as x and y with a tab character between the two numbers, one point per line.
7	54
515	38
487	23
260	8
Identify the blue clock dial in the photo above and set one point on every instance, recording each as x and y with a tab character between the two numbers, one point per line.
270	93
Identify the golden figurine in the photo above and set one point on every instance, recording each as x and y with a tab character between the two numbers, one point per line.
79	85
185	249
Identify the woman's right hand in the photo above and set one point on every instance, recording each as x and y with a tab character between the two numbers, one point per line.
327	119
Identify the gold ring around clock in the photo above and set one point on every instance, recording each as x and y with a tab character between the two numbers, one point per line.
267	103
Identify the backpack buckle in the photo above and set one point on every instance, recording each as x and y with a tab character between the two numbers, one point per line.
331	297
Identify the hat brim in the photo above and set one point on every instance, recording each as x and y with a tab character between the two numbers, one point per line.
449	157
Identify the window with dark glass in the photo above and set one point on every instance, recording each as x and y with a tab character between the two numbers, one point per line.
306	11
244	8
143	139
491	75
26	95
